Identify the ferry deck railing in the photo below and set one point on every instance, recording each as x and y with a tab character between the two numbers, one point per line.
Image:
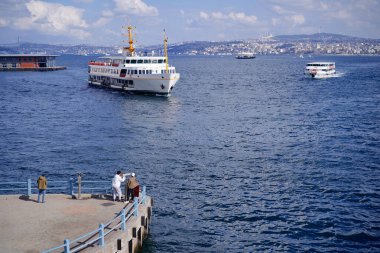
96	236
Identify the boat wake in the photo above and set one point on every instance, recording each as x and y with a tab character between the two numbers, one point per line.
338	74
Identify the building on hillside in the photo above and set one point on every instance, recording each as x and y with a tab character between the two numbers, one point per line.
28	62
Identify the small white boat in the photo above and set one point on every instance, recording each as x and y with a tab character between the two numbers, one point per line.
245	55
320	69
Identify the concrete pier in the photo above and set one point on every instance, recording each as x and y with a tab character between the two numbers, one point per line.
28	226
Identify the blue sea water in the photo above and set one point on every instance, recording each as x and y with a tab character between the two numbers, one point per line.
245	156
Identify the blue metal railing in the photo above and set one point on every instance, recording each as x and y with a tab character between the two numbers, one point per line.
70	187
97	235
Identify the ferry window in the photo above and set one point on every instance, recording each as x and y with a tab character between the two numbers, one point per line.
135	71
130	82
127	61
123	72
146	61
133	61
139	61
139	72
160	61
164	60
154	61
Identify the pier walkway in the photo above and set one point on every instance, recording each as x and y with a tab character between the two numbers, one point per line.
28	226
94	223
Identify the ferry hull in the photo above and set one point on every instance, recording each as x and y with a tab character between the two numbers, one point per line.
320	76
245	57
162	85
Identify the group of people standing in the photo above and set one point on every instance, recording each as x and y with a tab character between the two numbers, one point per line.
132	187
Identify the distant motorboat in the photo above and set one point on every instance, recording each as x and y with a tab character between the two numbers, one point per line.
321	70
301	56
245	55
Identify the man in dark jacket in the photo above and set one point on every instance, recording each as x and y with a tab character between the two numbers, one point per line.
132	188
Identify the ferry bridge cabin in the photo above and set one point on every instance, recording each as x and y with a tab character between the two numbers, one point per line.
24	62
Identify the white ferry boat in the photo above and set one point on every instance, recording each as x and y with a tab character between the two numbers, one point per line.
137	74
320	69
245	55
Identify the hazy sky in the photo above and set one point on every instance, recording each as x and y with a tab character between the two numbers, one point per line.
99	22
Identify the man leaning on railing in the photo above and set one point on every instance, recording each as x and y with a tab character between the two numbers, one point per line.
132	188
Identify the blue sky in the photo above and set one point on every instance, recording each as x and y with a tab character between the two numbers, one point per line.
99	22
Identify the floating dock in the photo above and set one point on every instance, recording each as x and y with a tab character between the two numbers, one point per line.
65	224
28	62
34	69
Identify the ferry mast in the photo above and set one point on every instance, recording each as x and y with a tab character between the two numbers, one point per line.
131	48
166	52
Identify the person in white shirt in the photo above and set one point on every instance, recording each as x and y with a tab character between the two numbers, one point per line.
116	182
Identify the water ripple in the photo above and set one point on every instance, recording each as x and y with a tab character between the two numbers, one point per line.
245	162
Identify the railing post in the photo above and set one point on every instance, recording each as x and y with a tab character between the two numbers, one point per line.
101	235
143	195
70	187
79	185
67	246
123	219
29	187
136	206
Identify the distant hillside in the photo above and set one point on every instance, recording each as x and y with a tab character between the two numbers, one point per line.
56	49
281	44
322	37
319	43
